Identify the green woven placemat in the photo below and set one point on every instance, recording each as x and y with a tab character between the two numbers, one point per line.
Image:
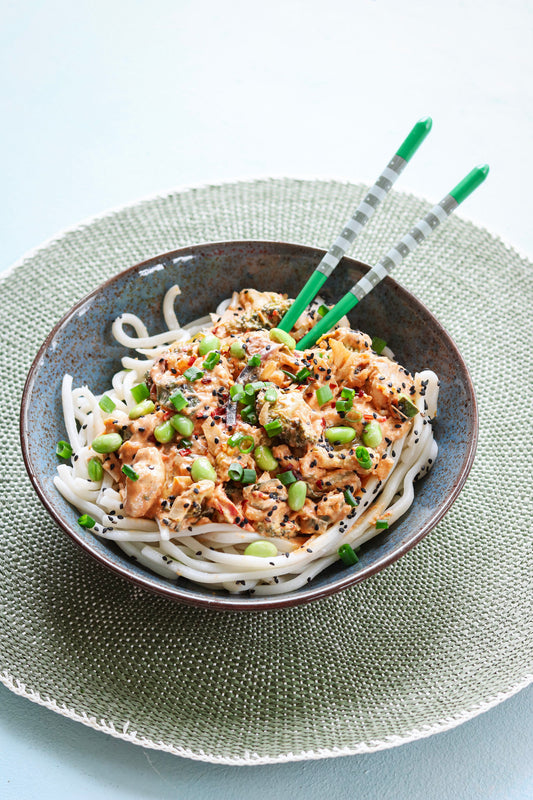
437	637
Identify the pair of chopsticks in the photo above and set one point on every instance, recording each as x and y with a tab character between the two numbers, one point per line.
419	233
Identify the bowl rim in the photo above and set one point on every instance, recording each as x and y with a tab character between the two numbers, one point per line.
237	602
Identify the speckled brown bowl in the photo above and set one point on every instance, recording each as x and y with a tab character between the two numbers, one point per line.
82	345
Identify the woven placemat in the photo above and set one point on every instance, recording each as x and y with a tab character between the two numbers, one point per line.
439	636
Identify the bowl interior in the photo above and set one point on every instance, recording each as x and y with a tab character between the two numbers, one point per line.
82	345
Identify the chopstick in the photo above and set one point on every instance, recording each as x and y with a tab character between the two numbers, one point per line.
357	222
423	228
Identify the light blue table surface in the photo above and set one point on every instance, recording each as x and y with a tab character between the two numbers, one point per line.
107	102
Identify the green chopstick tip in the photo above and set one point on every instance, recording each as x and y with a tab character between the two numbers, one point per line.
469	183
415	138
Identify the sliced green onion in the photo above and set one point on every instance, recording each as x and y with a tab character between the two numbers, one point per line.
63	449
264	458
182	424
381	524
271	395
193	374
323	395
302	374
107	443
246	444
378	345
95	469
340	435
343	406
106	404
363	457
164	433
254	361
86	521
286	478
258	385
130	473
235	471
347	554
235	438
209	342
203	470
248	414
236	392
178	400
261	549
237	349
372	435
184	443
297	494
348	394
350	499
322	310
146	407
290	375
249	391
249	476
282	338
211	361
140	392
273	428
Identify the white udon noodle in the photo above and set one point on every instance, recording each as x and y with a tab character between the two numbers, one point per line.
212	554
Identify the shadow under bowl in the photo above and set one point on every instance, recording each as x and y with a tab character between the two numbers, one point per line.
82	344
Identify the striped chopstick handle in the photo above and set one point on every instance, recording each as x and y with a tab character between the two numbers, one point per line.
364	211
423	228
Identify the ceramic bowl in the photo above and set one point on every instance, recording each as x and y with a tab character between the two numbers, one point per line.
82	345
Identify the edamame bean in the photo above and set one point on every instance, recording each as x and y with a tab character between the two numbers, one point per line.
261	549
203	470
107	443
283	338
237	349
297	494
264	458
372	435
208	343
182	424
164	433
340	435
146	407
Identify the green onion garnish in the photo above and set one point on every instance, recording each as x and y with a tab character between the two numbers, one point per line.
106	404
323	395
273	428
378	345
249	391
363	457
178	400
140	392
193	374
302	374
130	473
258	385
211	360
235	471
86	521
95	469
254	361
63	449
248	414
381	524
286	478
350	499
322	310
343	405
185	443
249	476
236	392
246	444
271	395
348	394
347	554
234	440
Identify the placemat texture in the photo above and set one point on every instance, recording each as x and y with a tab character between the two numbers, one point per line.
436	638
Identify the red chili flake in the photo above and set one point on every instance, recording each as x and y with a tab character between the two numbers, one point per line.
185	451
167	414
206	380
332	386
319	483
360	393
368	416
332	405
218	412
192	359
